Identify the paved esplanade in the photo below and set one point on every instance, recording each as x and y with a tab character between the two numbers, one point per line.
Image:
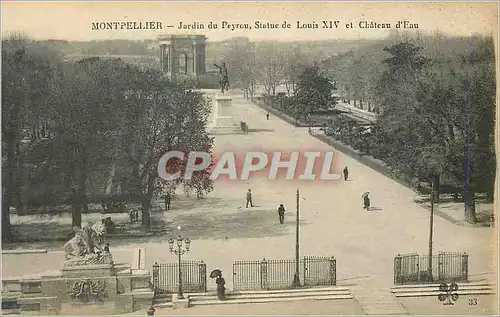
333	221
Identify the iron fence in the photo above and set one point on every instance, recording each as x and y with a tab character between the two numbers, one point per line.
320	271
279	274
166	277
446	267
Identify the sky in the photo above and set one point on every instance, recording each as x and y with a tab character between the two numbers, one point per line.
73	20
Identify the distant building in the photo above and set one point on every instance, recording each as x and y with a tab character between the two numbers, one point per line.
182	55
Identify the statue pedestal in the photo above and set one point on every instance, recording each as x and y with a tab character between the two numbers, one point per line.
88	270
95	289
223	121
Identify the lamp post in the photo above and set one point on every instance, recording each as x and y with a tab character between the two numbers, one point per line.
431	230
181	249
296	278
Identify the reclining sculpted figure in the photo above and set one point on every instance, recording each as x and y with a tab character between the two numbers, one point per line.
87	246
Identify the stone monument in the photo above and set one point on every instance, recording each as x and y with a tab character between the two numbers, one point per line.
182	56
222	119
90	282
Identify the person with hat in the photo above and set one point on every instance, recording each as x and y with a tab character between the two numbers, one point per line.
346	173
281	213
249	198
168	199
366	201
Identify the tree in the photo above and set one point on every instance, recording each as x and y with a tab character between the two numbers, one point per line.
159	116
456	104
314	91
396	88
26	88
472	159
294	64
364	71
271	64
399	123
242	66
443	126
88	95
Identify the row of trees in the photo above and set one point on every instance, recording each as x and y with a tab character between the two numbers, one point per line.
252	64
269	65
359	69
438	116
312	96
67	126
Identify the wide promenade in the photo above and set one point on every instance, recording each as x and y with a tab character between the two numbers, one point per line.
333	222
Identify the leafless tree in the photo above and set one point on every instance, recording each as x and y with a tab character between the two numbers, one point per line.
271	65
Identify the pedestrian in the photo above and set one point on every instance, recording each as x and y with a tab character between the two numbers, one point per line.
106	248
346	173
109	224
249	198
132	215
168	198
221	287
267	116
281	213
366	202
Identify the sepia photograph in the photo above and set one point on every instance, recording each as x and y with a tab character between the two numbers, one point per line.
249	158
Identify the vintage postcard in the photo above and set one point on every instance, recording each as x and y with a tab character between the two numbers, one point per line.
240	158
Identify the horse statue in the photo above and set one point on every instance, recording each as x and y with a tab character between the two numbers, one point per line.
223	78
87	246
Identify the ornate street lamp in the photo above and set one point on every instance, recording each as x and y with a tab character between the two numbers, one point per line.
179	251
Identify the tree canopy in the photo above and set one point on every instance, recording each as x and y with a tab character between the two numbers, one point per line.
69	124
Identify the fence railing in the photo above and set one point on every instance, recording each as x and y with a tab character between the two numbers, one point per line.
446	267
279	274
166	277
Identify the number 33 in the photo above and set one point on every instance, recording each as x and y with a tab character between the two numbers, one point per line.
472	301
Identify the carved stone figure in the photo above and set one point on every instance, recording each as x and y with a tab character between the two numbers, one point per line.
75	246
87	246
87	290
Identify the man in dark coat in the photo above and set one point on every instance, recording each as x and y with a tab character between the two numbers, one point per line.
168	198
281	213
346	173
249	198
366	202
